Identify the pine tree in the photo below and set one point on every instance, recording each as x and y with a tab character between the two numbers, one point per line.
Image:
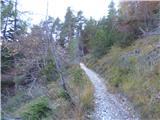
11	24
111	12
67	31
80	21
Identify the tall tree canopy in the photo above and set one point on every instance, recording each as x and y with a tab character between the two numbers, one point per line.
67	31
11	24
135	14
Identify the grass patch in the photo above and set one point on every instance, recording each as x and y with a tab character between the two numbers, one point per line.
82	91
14	102
35	109
49	71
139	82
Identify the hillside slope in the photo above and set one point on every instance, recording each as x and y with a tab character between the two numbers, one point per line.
49	102
106	105
135	73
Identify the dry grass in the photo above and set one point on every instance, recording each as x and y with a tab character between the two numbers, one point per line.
82	92
139	84
86	96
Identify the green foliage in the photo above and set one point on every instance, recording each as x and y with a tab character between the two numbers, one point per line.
112	11
73	48
6	10
68	27
11	24
82	90
77	74
132	60
86	97
7	59
50	71
88	33
141	84
35	109
102	36
99	43
62	94
125	39
104	39
119	75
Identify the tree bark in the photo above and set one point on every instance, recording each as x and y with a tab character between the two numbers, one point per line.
5	28
58	65
15	17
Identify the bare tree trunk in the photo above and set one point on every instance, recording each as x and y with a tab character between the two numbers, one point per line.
144	32
58	63
5	28
59	68
15	17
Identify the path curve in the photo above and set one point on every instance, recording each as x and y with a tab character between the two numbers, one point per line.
107	107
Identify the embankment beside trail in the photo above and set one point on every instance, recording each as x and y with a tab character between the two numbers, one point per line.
134	72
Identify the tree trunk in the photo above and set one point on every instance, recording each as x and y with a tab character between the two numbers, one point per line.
15	17
5	28
58	66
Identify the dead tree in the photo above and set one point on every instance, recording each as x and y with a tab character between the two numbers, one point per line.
57	60
15	17
52	46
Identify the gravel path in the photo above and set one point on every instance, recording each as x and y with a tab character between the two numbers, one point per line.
107	106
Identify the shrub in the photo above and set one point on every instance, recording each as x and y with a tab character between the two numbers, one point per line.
50	71
35	109
119	75
7	59
87	97
81	91
62	94
77	77
132	78
125	39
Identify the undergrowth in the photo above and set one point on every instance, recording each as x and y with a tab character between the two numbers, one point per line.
35	109
82	91
124	72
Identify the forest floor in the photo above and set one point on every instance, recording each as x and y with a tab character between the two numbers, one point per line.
107	105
